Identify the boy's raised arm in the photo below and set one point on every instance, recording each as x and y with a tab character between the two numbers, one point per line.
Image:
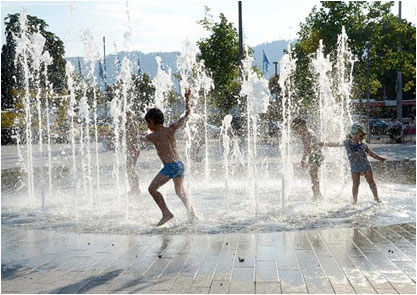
184	119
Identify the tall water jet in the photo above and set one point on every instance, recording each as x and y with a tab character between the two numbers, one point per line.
287	67
163	85
185	63
30	56
205	84
118	108
115	112
125	78
69	70
343	80
257	94
37	45
91	55
343	83
334	80
85	141
326	105
225	139
47	60
22	58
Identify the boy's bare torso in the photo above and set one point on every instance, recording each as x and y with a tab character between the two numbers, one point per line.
165	144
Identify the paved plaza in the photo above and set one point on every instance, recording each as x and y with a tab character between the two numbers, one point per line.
339	260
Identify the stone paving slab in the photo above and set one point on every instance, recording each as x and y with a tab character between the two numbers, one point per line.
342	260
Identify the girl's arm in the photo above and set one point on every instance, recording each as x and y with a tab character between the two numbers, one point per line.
331	144
373	155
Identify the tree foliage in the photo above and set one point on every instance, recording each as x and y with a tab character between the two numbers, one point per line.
220	52
392	45
141	93
11	77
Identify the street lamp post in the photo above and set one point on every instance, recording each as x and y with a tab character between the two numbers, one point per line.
399	79
276	68
240	32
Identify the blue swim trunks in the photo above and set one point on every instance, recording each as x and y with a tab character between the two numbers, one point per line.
173	169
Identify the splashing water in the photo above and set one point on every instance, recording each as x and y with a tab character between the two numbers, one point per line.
225	138
163	85
79	204
288	108
91	56
334	79
257	95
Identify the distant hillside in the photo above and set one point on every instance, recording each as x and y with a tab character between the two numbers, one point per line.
274	51
147	63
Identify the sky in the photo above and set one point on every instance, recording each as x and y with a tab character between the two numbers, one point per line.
163	25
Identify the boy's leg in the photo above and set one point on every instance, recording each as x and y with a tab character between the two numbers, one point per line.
370	179
314	173
180	191
156	183
356	180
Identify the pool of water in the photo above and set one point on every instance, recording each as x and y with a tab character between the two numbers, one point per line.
219	210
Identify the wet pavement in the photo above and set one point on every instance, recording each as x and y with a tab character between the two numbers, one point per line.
339	260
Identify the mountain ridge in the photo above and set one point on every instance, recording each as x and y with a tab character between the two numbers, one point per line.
273	50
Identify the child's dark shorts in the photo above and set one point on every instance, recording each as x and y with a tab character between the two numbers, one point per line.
315	159
173	169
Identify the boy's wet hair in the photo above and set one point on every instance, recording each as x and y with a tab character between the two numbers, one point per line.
155	115
298	122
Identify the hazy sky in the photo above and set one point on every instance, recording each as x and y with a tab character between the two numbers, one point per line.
156	25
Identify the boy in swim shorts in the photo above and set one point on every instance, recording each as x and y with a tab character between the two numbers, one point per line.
164	139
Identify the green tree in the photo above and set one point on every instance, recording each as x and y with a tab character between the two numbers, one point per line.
11	77
143	92
274	108
364	22
220	52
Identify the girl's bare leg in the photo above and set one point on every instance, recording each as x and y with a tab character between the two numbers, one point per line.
356	180
370	179
156	183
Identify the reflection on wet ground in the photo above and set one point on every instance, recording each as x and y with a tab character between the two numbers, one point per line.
342	260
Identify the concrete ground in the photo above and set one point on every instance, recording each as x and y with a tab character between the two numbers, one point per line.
341	260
